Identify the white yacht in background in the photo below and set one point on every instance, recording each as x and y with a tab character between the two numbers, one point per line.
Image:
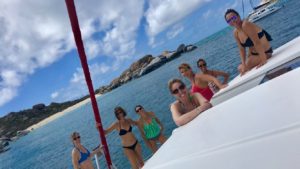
264	9
256	126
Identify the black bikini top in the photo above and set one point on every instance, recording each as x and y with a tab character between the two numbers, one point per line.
123	131
249	43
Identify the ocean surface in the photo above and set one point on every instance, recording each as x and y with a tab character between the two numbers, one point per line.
49	147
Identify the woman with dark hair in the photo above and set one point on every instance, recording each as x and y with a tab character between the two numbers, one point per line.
131	147
150	127
202	65
251	36
81	157
200	81
187	105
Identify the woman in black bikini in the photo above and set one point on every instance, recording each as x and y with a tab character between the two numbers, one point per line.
249	35
131	147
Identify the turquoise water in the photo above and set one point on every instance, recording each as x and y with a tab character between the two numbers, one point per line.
50	146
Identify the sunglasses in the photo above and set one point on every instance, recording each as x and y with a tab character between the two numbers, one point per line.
202	65
138	109
75	138
176	91
233	18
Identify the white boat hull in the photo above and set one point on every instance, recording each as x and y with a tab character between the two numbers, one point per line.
259	129
255	129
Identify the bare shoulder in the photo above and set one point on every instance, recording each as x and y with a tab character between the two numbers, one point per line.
174	105
249	25
152	114
74	152
235	32
246	23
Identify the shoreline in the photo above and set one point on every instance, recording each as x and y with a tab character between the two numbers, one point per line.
59	114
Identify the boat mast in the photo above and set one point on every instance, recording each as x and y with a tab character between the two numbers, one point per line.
80	48
251	3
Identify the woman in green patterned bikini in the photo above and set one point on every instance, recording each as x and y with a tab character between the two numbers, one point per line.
150	127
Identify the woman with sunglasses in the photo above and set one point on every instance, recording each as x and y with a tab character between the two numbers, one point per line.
249	35
81	157
200	81
202	65
187	105
150	127
131	146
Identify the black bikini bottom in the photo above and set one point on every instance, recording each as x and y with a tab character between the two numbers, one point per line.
132	147
269	51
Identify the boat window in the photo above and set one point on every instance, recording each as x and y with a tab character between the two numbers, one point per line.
282	69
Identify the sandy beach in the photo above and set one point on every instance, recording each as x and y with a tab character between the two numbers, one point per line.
59	114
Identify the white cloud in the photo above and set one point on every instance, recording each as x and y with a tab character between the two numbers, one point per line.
162	14
35	34
54	95
32	36
176	29
78	76
95	70
77	86
207	14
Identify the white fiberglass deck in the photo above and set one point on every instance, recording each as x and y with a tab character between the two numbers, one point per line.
239	84
258	129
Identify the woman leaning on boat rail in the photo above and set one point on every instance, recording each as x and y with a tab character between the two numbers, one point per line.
150	127
200	81
187	105
249	35
81	157
131	147
202	65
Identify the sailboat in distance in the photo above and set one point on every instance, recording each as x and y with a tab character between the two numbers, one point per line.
265	8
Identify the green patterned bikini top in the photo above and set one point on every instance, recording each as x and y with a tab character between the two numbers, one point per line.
152	130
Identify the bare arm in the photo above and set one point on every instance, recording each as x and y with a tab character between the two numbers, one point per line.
242	53
182	119
249	28
97	151
75	159
132	122
110	128
203	102
209	78
241	48
224	74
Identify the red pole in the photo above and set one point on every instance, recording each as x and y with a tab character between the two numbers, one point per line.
77	36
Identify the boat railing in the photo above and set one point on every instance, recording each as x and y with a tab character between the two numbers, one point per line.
98	165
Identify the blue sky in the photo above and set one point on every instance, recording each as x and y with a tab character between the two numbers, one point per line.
39	61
